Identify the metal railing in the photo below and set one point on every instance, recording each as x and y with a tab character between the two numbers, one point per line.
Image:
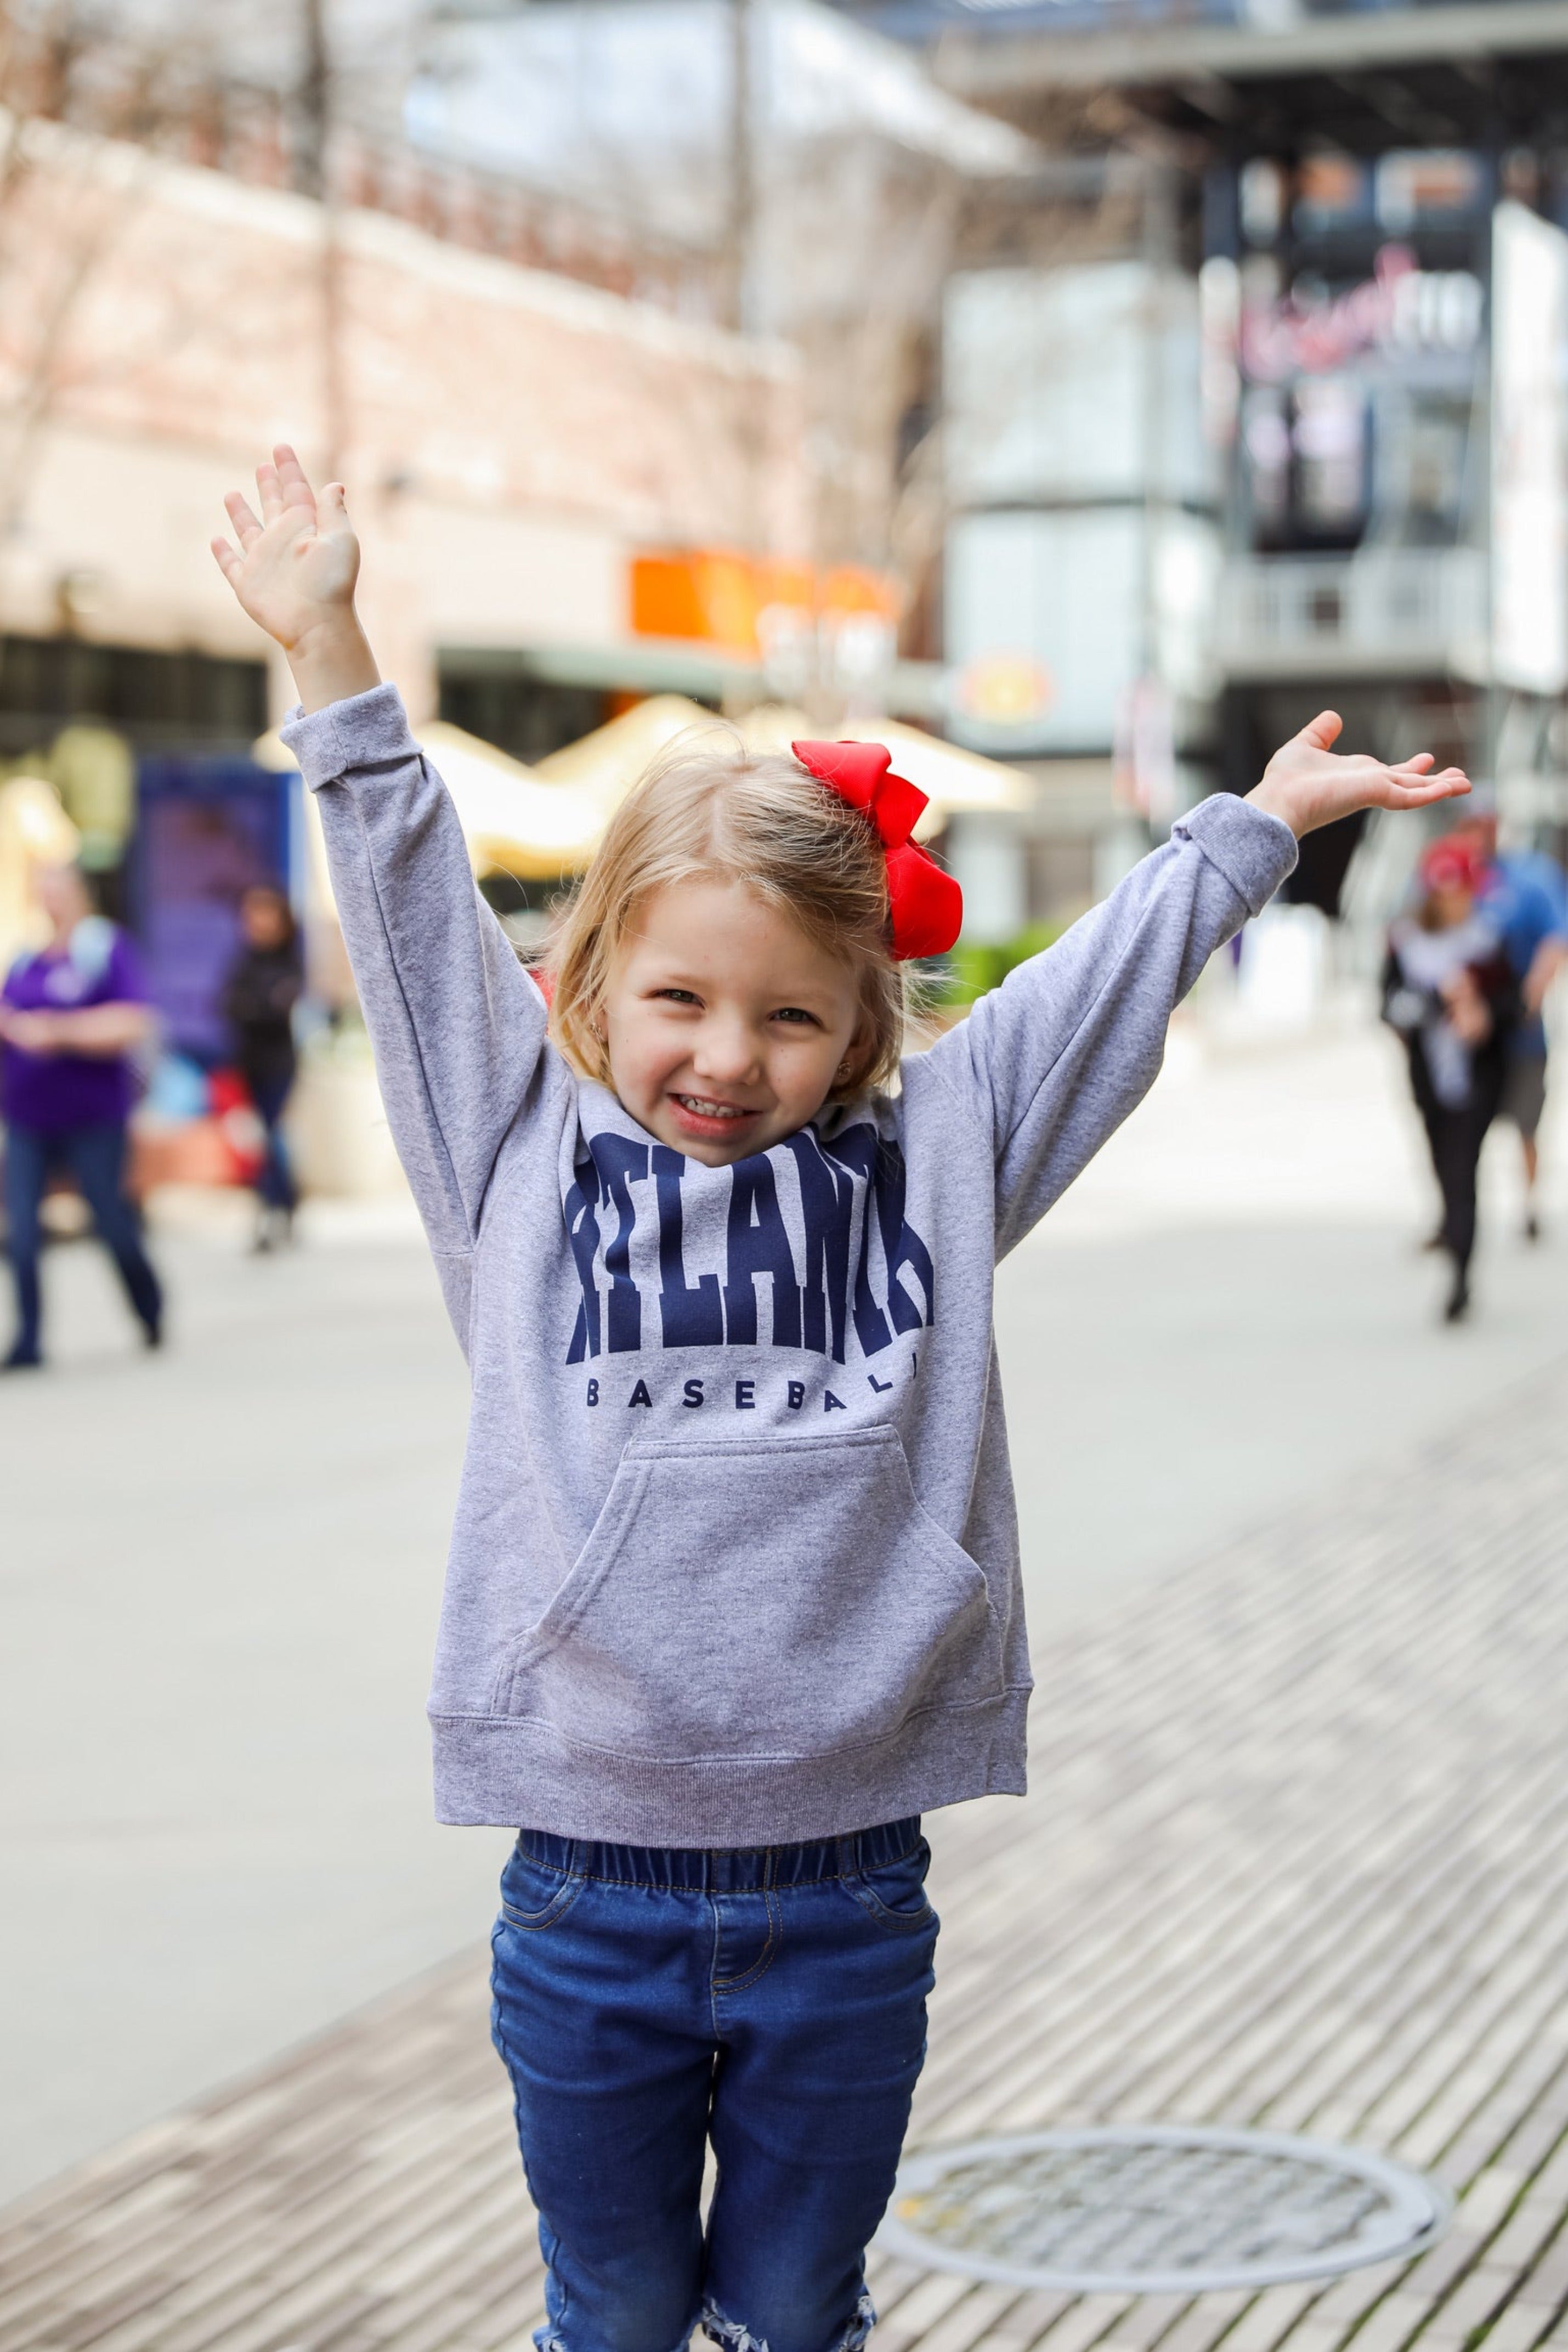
1381	612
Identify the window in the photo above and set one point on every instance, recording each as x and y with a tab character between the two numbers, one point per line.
154	699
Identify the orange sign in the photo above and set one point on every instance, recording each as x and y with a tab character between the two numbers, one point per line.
716	595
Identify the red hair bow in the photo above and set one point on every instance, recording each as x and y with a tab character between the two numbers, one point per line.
927	905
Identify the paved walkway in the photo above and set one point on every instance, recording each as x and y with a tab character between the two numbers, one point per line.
1297	1856
218	1580
219	1569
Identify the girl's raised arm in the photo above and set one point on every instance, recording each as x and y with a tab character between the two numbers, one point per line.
456	1025
1072	1042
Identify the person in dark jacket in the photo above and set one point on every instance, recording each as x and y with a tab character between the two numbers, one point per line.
1448	991
264	983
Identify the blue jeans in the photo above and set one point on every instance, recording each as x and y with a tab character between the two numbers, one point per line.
274	1178
773	2002
95	1155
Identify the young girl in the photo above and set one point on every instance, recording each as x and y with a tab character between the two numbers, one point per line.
733	1593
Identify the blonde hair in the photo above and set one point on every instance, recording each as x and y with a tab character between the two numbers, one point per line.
708	810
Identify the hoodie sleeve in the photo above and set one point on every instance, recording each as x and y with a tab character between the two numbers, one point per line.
1057	1057
456	1025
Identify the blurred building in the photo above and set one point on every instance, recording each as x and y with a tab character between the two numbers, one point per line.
1376	200
511	439
1294	435
818	168
1082	541
614	320
519	445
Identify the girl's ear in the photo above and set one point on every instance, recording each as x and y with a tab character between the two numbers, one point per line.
852	1060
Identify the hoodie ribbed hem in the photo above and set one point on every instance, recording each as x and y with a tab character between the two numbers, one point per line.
365	731
502	1772
1255	850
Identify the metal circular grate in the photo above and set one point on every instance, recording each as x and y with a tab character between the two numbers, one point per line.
1157	2209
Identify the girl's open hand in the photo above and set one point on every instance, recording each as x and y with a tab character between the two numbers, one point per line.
1307	784
294	572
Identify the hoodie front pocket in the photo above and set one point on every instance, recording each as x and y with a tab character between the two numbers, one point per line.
783	1598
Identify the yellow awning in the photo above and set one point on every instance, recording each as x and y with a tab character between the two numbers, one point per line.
956	782
609	760
542	821
511	819
34	831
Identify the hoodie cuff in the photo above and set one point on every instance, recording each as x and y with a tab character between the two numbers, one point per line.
1253	850
366	730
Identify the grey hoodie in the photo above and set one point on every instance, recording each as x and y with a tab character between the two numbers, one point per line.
735	1557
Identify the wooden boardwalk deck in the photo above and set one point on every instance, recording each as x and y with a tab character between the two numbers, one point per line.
1297	1855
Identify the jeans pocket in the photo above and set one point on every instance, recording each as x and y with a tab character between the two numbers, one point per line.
533	1895
894	1895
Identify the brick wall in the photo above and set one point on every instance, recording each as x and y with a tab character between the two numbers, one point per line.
507	434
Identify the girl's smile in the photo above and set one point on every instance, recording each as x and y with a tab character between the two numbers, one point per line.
702	1116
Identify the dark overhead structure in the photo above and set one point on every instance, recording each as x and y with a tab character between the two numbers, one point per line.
1388	529
1367	206
1487	74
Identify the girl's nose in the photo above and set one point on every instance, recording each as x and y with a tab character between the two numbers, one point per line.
726	1051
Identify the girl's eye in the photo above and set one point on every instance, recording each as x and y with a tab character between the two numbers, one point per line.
795	1012
676	996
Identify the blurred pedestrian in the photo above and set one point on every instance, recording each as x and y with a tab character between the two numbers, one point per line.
1448	991
1524	895
70	1018
265	983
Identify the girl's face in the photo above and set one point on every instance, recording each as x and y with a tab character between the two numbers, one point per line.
725	1026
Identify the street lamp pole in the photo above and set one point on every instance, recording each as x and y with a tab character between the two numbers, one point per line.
315	176
742	222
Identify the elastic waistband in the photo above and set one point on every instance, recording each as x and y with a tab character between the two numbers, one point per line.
724	1871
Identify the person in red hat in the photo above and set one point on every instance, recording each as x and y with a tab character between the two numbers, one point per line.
1450	992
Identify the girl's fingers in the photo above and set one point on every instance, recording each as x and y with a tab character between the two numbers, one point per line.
1411	774
246	527
1449	786
293	485
283	488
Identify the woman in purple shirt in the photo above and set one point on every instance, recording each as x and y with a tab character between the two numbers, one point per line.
69	1017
